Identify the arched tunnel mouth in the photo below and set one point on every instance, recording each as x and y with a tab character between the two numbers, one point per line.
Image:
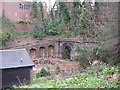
66	52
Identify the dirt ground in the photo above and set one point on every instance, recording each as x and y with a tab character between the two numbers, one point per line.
67	68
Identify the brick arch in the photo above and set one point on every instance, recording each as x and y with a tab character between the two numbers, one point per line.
42	51
33	52
67	50
51	51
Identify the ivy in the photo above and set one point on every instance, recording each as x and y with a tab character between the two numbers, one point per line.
38	31
41	12
34	9
63	8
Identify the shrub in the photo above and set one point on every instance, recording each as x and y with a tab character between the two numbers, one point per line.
6	32
54	27
42	73
85	56
107	55
57	70
24	22
5	37
52	32
38	31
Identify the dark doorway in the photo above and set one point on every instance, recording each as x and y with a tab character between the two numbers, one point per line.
66	54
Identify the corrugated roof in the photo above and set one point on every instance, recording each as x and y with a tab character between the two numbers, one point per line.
14	59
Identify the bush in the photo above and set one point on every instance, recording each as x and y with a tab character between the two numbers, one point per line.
5	37
6	32
57	70
24	22
42	73
107	55
54	27
52	32
85	56
38	31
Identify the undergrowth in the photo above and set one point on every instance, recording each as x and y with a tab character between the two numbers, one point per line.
92	77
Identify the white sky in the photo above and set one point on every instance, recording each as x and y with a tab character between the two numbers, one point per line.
50	3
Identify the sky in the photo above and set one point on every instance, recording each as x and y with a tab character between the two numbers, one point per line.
51	2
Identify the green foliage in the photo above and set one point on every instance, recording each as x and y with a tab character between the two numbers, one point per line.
51	14
86	56
92	77
54	27
108	50
38	31
75	12
24	22
41	12
34	9
63	8
73	17
57	70
5	37
6	32
42	73
5	23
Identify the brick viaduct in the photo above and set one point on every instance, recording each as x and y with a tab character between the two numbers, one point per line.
56	48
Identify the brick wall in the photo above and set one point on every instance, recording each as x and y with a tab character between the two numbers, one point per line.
13	11
0	8
23	27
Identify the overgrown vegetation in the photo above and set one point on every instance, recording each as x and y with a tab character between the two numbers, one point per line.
34	9
86	55
57	70
100	75
54	27
6	32
38	31
71	18
24	22
41	13
42	73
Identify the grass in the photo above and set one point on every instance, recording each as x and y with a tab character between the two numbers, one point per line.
91	77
